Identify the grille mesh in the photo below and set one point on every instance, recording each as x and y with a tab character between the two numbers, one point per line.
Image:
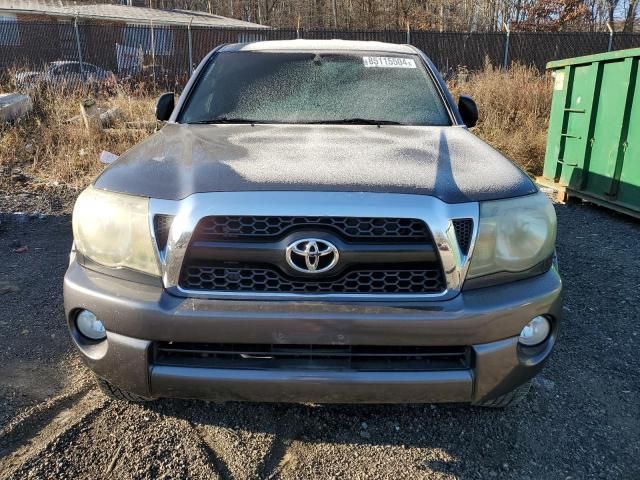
419	279
161	226
464	232
351	228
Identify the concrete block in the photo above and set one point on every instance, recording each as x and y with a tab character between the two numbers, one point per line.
14	106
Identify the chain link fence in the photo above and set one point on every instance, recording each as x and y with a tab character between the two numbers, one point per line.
167	55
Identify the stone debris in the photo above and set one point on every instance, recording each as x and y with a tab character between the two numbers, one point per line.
14	106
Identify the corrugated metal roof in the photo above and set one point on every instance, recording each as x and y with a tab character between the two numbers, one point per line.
320	45
124	13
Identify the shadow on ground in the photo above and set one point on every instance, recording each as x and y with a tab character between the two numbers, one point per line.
32	327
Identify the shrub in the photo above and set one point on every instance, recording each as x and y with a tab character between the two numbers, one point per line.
514	110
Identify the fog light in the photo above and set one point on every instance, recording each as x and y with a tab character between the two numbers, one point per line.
535	332
90	326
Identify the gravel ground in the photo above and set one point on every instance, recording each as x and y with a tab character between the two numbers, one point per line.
581	420
20	192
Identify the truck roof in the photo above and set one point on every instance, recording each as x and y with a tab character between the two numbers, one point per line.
301	45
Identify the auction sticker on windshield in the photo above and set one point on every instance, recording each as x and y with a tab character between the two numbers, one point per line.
389	62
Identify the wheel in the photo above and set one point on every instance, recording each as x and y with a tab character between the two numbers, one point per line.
509	399
116	393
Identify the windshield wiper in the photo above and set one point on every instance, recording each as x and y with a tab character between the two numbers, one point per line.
346	121
224	120
357	121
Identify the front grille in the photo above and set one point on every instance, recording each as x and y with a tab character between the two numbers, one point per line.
246	254
350	228
312	357
419	279
464	231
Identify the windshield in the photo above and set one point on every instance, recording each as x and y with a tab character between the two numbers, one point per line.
315	88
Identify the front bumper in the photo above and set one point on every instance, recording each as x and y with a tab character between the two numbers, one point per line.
137	315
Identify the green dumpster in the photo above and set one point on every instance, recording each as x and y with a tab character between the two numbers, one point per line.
593	144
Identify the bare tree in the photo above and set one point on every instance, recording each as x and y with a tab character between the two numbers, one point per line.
632	11
439	15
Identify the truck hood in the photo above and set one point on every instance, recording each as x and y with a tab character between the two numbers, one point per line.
446	162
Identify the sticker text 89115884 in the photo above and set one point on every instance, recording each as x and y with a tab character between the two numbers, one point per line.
389	62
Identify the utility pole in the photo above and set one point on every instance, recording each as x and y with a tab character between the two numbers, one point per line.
75	27
190	47
153	55
505	64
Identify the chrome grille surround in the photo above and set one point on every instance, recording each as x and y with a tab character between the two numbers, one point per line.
436	214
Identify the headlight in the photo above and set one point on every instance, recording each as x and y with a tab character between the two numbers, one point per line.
112	229
514	235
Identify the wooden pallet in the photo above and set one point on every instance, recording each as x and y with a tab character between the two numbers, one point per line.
555	191
562	194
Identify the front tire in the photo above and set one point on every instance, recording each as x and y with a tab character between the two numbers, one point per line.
509	399
116	393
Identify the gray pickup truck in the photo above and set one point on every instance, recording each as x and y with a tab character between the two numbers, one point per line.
314	223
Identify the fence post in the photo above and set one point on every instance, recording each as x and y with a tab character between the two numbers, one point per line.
505	63
610	37
298	28
190	47
153	55
408	34
75	27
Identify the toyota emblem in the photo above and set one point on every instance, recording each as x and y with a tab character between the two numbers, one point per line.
312	255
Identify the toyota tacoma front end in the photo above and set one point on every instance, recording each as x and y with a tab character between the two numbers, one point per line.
315	223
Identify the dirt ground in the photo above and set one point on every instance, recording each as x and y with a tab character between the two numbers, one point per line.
581	420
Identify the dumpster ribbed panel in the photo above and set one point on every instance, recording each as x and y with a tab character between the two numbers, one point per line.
593	143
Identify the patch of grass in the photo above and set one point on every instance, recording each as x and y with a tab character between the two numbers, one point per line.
49	147
514	108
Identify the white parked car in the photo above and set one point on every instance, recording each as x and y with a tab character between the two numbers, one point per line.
66	74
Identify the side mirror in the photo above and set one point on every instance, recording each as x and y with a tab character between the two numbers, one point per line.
468	110
165	105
